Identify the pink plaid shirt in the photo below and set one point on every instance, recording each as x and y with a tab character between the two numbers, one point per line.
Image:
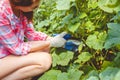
13	30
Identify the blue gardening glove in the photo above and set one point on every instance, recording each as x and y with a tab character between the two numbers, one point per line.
58	40
72	45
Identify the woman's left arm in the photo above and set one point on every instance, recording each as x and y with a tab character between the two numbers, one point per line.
32	35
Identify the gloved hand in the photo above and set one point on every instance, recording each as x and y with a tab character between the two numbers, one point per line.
58	40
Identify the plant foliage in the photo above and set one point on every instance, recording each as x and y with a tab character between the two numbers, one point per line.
96	24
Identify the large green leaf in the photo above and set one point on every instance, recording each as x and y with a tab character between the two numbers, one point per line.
117	76
93	78
117	59
96	41
82	15
110	5
50	75
63	76
83	57
89	26
63	4
108	74
72	74
67	19
92	4
113	35
106	64
55	59
92	75
63	58
116	17
43	23
73	27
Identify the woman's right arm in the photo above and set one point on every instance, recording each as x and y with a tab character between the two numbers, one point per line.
38	45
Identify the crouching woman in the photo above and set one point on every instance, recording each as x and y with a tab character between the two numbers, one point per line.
19	59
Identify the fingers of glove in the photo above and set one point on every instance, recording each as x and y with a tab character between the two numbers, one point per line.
54	44
62	34
57	42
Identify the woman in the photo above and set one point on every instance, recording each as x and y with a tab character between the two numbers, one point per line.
18	59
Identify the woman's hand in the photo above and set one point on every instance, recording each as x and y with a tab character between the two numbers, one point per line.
57	41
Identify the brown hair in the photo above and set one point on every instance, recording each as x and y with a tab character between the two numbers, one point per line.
29	15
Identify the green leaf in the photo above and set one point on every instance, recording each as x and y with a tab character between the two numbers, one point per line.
113	35
110	5
91	41
62	59
91	74
93	78
117	76
67	19
83	57
96	41
82	15
89	26
56	58
65	57
72	0
63	4
108	74
50	75
63	76
106	64
43	23
117	59
80	47
92	4
116	17
74	74
74	27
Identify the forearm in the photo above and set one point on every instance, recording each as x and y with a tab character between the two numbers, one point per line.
38	45
57	41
